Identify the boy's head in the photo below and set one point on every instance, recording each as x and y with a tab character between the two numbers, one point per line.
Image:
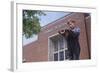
71	23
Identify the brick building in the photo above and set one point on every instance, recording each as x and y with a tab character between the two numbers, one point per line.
49	43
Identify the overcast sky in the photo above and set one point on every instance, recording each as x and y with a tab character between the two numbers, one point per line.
44	20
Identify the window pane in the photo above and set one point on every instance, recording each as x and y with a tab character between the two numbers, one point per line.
61	43
65	43
61	55
66	54
55	45
56	57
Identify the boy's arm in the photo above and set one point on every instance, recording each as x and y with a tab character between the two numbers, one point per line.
75	33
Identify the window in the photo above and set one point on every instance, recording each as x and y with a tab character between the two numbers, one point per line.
67	54
56	57
61	55
61	43
55	45
59	48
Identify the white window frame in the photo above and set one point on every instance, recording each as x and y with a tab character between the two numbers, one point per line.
59	50
16	48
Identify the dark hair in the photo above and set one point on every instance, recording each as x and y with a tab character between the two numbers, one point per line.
73	21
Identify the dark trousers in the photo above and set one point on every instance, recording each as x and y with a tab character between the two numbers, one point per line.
74	55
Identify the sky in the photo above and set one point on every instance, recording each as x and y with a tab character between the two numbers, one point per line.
44	20
50	17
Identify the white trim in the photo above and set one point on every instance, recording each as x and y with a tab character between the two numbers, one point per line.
17	49
59	50
13	37
49	44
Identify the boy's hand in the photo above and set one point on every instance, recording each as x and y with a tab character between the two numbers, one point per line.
61	32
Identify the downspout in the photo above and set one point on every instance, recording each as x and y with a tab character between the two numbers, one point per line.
87	38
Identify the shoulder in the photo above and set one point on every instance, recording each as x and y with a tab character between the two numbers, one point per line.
76	29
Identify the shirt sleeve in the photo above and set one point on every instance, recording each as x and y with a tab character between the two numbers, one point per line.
75	32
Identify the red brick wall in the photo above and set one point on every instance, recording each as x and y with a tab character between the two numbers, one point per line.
38	51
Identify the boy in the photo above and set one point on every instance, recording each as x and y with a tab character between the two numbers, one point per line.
72	36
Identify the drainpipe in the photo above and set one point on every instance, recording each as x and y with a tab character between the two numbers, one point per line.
89	52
